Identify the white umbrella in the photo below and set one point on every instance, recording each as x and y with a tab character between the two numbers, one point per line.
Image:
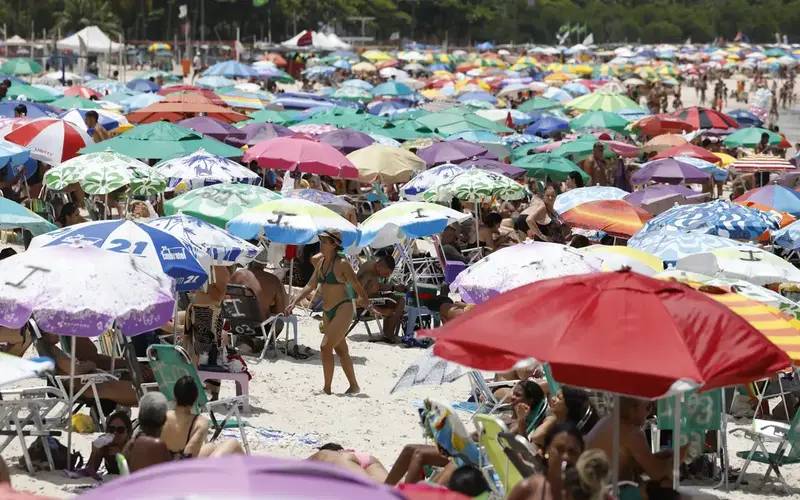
406	219
754	265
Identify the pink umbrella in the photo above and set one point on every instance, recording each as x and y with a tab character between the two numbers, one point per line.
294	153
51	140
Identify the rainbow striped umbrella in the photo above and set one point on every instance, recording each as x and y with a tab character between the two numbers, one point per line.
762	163
615	217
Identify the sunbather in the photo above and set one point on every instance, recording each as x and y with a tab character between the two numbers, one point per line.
414	459
570	405
355	461
371	275
106	447
265	286
185	434
146	448
526	399
86	350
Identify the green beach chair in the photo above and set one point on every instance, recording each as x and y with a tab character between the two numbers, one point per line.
169	363
489	428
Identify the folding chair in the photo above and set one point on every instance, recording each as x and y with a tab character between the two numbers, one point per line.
240	307
452	268
483	393
169	363
519	452
489	427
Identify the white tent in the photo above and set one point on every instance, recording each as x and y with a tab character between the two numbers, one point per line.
320	41
16	40
93	38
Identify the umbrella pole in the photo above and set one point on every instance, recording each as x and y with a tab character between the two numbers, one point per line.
71	395
676	444
291	275
615	447
477	224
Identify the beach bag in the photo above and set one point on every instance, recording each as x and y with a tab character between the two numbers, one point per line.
57	450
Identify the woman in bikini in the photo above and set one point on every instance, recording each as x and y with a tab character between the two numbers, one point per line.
337	281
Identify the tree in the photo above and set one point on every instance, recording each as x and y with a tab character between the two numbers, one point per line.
78	14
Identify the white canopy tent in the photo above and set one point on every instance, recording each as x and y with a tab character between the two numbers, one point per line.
94	40
319	40
16	41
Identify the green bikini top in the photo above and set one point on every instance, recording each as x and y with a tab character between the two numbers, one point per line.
329	278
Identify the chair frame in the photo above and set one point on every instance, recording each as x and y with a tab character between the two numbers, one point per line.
268	336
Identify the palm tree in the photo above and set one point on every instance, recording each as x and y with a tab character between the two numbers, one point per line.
79	14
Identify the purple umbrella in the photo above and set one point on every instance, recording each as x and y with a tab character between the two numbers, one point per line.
669	170
213	128
346	140
451	152
243	477
257	132
656	193
495	166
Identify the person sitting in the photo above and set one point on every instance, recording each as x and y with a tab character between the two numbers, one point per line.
413	460
525	399
185	433
635	456
570	405
105	448
468	480
451	247
540	220
370	275
267	288
489	233
451	310
70	215
146	448
93	128
360	463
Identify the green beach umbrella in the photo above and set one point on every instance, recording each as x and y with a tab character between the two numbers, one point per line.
538	104
70	102
599	119
352	94
278	117
27	92
750	137
15	216
104	172
162	140
522	152
219	203
602	101
20	66
550	165
581	148
452	122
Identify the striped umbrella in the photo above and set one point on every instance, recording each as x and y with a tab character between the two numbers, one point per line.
706	118
762	163
602	101
51	140
219	203
574	197
615	217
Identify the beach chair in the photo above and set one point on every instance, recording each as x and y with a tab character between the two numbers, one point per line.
483	393
241	309
122	465
452	268
785	437
489	427
520	452
169	363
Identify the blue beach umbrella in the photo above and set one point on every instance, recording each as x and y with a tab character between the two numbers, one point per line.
547	126
12	154
142	85
35	109
15	216
406	219
671	245
230	69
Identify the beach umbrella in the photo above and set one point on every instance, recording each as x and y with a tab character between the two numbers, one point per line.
105	172
212	127
25	92
599	119
142	85
202	168
139	101
663	142
718	217
687	150
293	153
50	140
498	167
352	94
82	292
753	265
616	258
476	185
214	82
787	237
16	368
256	132
357	83
34	109
618	218
450	152
699	342
12	154
538	104
669	170
547	126
223	248
230	69
388	108
428	369
176	110
81	91
155	250
758	163
291	221
772	197
277	117
406	220
750	137
659	193
107	119
219	203
346	140
329	200
20	66
549	165
104	87
706	118
15	216
574	197
386	164
162	140
656	125
440	174
70	102
518	265
392	89
601	101
245	476
671	245
745	118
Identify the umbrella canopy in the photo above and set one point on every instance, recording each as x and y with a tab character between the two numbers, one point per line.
758	163
753	265
162	140
106	119
428	369
329	200
655	125
33	109
16	368
599	119
615	217
293	153
538	104
12	155
392	89
706	118
74	102
15	216
476	185
750	137
142	85
671	245
20	66
547	126
671	171
787	237
176	111
426	179
692	340
687	150
574	197
219	203
346	140
549	165
518	265
50	140
602	101
202	168
223	248
257	132
83	291
385	163
662	142
745	118
659	192
244	476
104	172
291	221
25	92
212	127
230	69
616	258
773	196
495	166
155	250
450	152
406	219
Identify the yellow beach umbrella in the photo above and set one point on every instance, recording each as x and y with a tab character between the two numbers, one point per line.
615	258
388	164
725	159
376	55
363	67
559	76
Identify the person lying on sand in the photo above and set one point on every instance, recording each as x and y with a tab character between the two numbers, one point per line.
358	462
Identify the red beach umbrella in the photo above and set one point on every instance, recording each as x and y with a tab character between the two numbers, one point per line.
707	118
688	150
655	125
80	91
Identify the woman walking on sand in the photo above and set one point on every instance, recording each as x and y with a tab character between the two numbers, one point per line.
337	282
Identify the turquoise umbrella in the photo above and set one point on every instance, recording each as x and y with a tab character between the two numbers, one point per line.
599	119
15	216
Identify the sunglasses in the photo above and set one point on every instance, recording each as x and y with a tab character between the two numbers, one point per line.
117	430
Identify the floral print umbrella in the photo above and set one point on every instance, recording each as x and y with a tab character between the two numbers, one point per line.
219	203
476	185
104	172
